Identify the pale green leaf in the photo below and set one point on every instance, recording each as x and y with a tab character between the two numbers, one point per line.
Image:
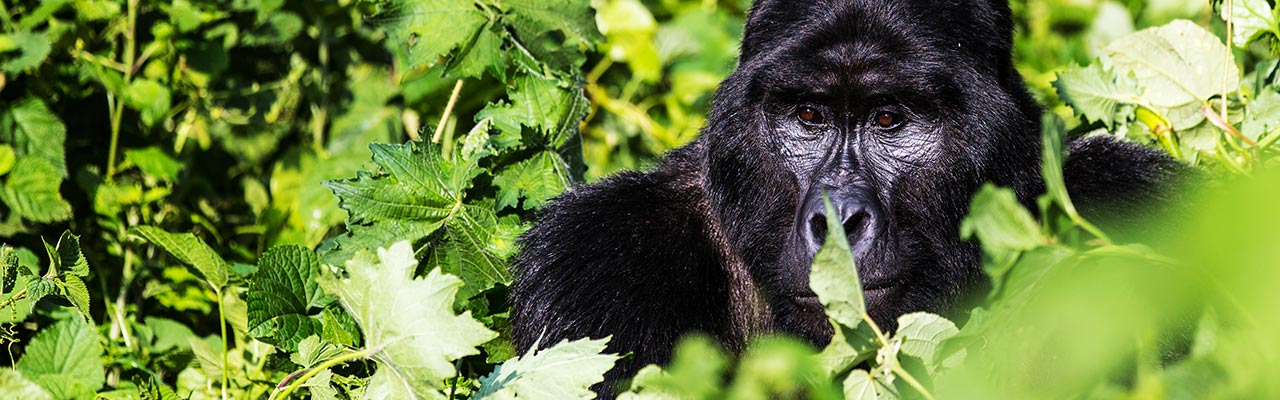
192	251
834	277
150	98
564	371
65	359
922	333
16	387
282	296
7	158
154	162
408	322
1098	94
1250	19
313	351
1175	64
859	386
34	130
32	49
1263	118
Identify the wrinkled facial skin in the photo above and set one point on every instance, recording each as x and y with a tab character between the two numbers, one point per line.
897	123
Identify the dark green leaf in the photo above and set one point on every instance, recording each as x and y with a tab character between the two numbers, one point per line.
190	250
282	295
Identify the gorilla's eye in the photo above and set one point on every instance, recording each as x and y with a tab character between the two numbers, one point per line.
809	115
887	119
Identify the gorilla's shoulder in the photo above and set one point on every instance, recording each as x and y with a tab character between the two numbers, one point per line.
1119	181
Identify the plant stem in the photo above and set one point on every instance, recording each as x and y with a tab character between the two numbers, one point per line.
281	393
117	107
222	324
448	110
911	380
22	294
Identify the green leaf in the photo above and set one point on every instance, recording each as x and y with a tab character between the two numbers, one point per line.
859	386
998	221
282	295
834	277
31	191
921	334
535	18
7	158
695	372
1263	118
1098	94
1250	19
408	323
67	256
416	185
33	47
541	104
536	179
154	389
192	251
154	162
65	359
474	250
313	351
1170	63
150	98
431	29
38	287
564	371
35	131
16	387
77	293
848	347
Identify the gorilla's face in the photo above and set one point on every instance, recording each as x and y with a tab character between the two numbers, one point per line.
897	120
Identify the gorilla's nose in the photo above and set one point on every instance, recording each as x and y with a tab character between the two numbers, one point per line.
855	209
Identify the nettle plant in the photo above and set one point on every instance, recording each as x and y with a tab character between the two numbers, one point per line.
410	301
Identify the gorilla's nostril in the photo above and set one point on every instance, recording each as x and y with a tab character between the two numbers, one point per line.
856	224
818	227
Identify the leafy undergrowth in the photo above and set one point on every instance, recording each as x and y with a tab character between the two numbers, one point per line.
212	262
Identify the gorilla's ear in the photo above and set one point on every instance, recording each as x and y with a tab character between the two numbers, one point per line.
766	22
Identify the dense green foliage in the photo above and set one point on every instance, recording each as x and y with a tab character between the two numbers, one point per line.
268	198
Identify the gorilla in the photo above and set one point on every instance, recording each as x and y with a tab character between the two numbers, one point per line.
899	110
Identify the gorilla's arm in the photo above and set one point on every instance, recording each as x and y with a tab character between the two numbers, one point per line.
630	257
1119	183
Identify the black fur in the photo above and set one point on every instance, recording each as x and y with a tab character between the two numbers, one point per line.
715	239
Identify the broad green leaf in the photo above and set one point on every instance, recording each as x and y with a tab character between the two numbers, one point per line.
282	295
848	347
31	191
536	179
67	256
1098	94
417	184
192	251
541	104
564	371
65	359
313	351
75	291
32	49
168	334
859	386
16	387
536	18
431	29
834	278
475	248
696	372
38	287
408	322
921	334
1250	19
150	98
154	162
1175	64
1264	115
998	221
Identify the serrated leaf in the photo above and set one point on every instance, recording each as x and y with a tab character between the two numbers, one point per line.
921	334
282	294
16	387
417	184
33	130
339	327
431	29
1000	223
313	351
848	347
65	359
471	250
153	389
76	292
408	322
192	251
834	277
540	104
564	371
38	287
1170	65
536	179
1250	19
859	386
31	191
68	256
1098	94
